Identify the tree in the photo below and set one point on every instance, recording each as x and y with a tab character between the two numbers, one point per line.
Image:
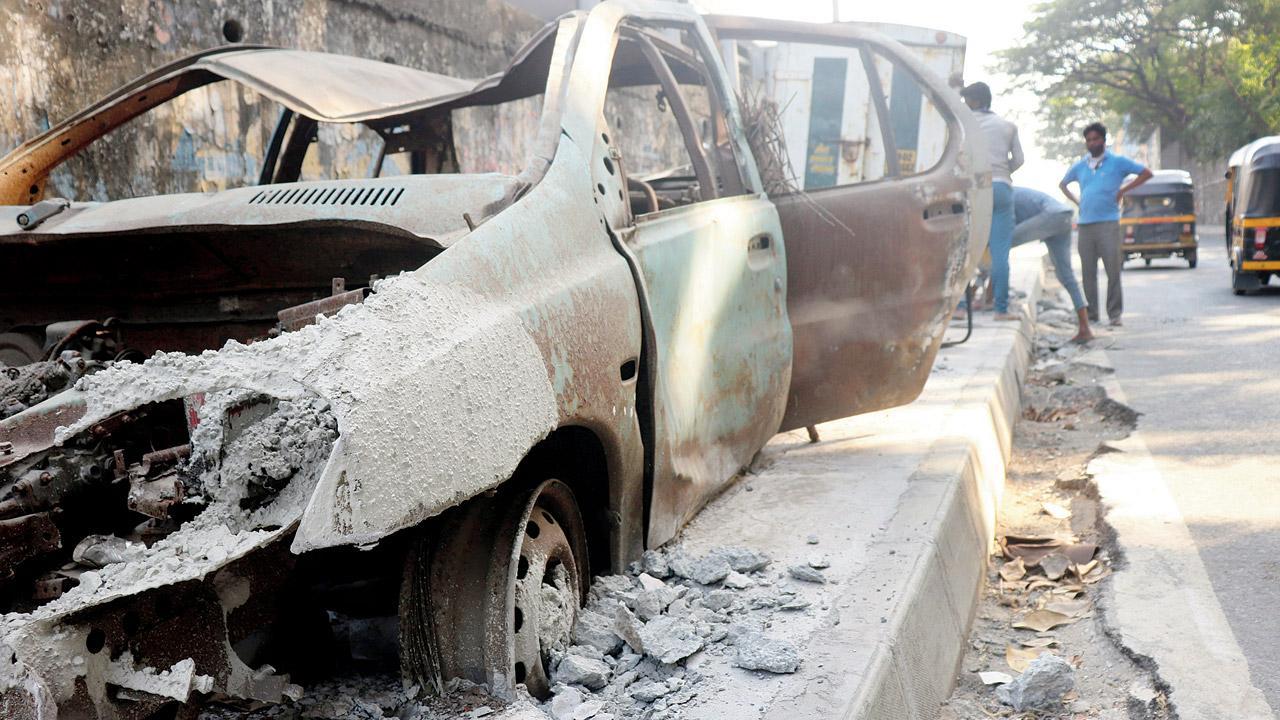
1203	71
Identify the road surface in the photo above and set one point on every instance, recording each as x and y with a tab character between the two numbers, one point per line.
1202	365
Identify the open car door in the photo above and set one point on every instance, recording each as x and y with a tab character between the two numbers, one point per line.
884	205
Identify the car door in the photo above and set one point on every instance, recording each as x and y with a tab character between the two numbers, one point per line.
708	254
885	212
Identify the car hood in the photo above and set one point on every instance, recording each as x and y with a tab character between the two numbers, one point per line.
425	206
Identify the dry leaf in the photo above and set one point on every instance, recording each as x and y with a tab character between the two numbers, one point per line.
1037	642
1038	582
1013	570
1074	608
1055	565
1055	511
1068	590
1080	553
1097	575
995	678
1042	620
1085	569
1018	658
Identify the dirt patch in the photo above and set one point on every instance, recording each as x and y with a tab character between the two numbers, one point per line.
1045	577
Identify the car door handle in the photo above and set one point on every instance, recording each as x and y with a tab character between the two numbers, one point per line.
760	243
943	208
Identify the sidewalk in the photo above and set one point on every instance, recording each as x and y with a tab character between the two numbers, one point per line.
902	504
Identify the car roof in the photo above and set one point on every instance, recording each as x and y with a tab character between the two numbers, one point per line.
330	87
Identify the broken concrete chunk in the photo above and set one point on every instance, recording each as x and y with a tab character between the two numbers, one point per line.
819	562
655	564
627	626
648	691
812	539
719	599
807	574
565	702
615	587
578	670
706	570
588	710
738	581
649	582
756	651
743	560
670	640
651	603
1045	681
595	630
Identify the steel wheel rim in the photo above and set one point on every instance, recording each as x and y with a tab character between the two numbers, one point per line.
546	582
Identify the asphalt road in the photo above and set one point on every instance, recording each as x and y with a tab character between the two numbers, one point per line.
1203	367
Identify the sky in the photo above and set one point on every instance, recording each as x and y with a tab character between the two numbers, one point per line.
988	26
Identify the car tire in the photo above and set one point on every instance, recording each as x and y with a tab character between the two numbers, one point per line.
1147	261
492	588
1191	258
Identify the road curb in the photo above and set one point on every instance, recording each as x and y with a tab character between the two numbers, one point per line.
952	502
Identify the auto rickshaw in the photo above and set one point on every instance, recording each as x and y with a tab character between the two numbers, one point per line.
1159	218
1254	224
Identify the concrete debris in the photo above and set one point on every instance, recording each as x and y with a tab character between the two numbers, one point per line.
1045	681
806	573
579	670
743	560
99	551
627	626
706	570
565	702
819	562
755	651
596	630
655	564
669	639
648	691
738	581
812	539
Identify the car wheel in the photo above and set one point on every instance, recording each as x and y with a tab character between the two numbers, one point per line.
493	588
1190	258
1147	261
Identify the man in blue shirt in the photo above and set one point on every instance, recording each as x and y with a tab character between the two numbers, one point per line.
1101	175
1040	217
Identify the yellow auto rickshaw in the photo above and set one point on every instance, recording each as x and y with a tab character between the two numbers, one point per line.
1159	218
1254	222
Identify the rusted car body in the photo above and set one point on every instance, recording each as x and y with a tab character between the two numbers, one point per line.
561	367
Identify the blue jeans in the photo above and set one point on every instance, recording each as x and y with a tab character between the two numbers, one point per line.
1055	230
1000	241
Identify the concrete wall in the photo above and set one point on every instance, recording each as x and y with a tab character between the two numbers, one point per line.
59	55
1209	179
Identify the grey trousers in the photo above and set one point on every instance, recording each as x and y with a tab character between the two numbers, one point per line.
1101	241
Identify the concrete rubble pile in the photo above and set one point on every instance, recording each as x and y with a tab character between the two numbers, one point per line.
634	652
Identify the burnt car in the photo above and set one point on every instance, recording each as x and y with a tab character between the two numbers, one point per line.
437	397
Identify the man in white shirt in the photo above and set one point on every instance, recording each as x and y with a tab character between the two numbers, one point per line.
1005	155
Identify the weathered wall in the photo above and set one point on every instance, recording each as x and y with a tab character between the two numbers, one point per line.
59	55
1210	181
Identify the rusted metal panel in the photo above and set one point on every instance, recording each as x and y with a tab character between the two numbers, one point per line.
875	268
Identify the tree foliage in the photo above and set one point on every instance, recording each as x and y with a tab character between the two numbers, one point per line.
1204	71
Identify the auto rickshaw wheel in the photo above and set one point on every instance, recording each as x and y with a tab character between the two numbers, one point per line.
490	590
1191	258
1147	261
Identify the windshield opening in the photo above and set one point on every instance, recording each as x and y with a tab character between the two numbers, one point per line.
1264	193
1145	206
